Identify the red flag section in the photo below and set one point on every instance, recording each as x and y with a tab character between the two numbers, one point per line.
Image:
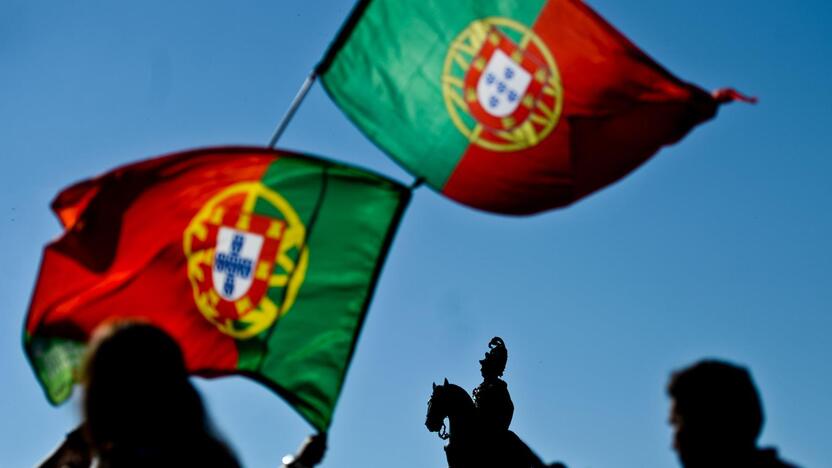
619	108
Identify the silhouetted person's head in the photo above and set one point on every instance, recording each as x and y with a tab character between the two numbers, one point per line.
715	412
139	403
494	363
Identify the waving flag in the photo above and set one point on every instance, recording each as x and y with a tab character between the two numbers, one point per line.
258	262
511	106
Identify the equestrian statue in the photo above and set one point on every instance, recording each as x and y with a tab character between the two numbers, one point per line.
478	433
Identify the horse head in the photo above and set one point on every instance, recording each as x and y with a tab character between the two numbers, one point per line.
447	401
437	409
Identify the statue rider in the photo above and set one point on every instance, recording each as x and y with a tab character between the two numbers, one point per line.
491	398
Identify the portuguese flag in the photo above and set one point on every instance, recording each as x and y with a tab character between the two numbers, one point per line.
510	106
258	262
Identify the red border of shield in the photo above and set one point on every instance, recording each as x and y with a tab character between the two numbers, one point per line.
268	253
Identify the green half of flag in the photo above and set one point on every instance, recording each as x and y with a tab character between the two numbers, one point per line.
389	73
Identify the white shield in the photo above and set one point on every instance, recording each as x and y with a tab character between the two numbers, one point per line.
502	85
235	262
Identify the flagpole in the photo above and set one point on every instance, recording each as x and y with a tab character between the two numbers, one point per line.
340	38
290	112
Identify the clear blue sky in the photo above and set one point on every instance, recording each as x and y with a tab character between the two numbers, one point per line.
720	246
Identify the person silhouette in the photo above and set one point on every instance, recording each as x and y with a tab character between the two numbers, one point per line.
717	416
140	408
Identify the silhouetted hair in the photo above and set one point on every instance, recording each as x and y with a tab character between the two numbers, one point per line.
139	403
718	397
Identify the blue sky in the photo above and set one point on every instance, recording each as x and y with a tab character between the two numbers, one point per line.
717	247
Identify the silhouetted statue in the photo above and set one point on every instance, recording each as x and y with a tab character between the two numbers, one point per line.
717	417
140	408
479	434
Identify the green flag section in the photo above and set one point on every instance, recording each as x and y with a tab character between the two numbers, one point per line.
258	262
510	106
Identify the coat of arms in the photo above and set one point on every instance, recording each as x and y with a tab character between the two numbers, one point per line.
501	85
245	268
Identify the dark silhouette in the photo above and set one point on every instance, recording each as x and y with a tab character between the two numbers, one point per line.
140	407
74	452
717	416
491	397
479	434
